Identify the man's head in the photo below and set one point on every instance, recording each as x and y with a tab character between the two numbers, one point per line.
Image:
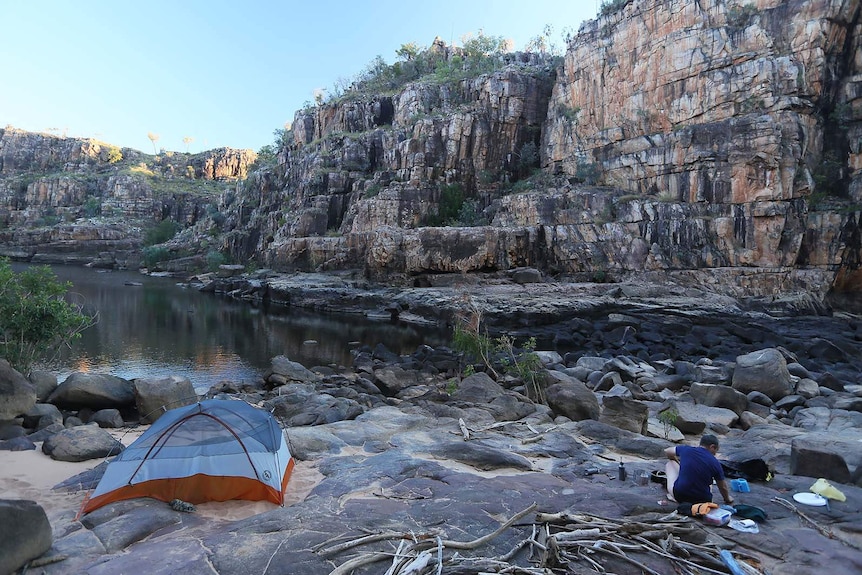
710	442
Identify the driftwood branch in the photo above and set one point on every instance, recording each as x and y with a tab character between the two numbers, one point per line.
820	529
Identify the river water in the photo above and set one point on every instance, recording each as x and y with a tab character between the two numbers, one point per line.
153	327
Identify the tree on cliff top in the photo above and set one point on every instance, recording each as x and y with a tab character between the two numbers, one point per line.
36	321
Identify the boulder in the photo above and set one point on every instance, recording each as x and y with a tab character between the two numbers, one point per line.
11	429
478	388
393	379
33	417
282	370
825	455
807	388
45	382
299	404
571	398
153	397
694	418
17	395
765	371
826	419
81	444
95	390
25	533
17	444
719	396
135	524
625	413
108	418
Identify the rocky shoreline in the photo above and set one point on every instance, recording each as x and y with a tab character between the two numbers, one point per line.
409	444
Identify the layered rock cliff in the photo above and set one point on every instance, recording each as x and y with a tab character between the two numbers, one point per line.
724	136
708	142
70	200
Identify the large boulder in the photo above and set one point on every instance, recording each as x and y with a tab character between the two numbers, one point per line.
298	404
765	371
94	390
17	395
393	379
625	413
694	418
283	370
25	533
34	416
826	455
719	396
81	444
44	381
155	396
569	397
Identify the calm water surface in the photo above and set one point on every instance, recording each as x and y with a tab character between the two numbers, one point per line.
159	328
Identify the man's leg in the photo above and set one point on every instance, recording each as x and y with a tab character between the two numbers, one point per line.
671	471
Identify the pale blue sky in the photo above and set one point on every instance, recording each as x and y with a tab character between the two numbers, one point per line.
224	73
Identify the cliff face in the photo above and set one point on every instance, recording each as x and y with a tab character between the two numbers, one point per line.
725	137
745	115
711	142
69	200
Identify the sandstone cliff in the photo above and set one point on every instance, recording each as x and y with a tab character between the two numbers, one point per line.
715	143
69	200
724	135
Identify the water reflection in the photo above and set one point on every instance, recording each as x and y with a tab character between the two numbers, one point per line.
157	328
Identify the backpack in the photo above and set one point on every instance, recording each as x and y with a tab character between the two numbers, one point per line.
750	470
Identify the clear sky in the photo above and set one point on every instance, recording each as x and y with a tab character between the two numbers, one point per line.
225	73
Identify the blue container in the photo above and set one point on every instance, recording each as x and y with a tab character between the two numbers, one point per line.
740	485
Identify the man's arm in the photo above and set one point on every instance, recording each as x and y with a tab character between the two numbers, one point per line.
670	452
725	492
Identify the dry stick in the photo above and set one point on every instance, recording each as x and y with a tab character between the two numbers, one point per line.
628	559
334	550
358	562
596	565
396	558
823	530
464	431
323	544
485	538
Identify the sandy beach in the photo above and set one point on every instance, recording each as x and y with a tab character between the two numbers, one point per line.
32	475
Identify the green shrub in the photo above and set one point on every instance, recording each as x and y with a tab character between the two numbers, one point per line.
161	232
215	259
451	200
151	255
587	173
612	6
92	207
470	215
740	16
114	155
36	321
528	158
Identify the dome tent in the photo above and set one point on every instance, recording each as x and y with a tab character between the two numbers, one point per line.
214	450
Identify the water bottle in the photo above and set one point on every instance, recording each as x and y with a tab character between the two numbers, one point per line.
622	471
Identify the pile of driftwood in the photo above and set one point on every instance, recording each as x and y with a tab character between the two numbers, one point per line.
555	543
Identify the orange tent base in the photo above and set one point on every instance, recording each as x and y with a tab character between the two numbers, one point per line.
195	489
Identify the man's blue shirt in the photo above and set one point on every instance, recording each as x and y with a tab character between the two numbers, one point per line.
697	468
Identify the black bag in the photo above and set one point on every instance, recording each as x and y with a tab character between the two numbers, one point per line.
750	470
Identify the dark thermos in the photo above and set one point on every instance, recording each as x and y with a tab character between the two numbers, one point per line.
622	471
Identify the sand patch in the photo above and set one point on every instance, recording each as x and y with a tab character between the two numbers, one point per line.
31	475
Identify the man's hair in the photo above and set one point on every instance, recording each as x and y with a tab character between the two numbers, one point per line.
708	439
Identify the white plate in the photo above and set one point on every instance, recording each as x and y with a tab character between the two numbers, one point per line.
810	499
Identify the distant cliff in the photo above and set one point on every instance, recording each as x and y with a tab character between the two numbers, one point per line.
70	200
713	143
